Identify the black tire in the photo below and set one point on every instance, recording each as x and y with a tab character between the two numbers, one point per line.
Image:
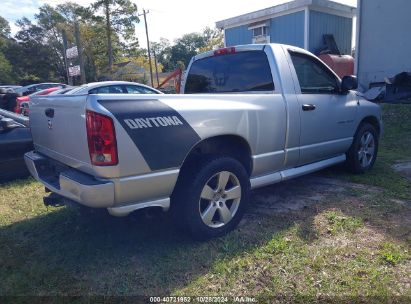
188	207
355	155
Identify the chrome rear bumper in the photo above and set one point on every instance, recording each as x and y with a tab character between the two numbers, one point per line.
70	183
89	191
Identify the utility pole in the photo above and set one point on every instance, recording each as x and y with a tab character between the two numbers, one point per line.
148	45
63	32
155	64
80	53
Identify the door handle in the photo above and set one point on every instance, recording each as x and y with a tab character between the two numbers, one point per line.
49	112
308	107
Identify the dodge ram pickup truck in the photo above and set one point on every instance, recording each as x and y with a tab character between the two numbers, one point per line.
250	116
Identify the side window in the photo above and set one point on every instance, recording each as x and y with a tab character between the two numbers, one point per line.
313	76
42	87
131	89
49	85
113	89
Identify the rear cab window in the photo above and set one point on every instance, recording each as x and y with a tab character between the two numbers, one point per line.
246	71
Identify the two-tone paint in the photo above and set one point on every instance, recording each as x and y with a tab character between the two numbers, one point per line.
156	133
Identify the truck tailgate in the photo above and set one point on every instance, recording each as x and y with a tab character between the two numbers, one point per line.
58	127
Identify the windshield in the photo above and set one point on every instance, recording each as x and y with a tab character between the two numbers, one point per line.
238	72
76	89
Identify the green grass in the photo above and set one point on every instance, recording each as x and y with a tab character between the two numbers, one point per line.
395	146
352	245
392	253
339	222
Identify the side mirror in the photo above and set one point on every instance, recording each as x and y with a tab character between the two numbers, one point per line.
349	83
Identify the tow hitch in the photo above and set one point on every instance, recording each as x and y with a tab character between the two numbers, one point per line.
55	200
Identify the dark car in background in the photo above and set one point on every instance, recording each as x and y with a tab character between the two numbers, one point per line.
8	96
15	140
15	136
11	87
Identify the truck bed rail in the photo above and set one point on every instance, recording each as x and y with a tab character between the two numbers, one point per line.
24	120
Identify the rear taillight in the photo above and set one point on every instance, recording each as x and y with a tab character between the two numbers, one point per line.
101	138
225	51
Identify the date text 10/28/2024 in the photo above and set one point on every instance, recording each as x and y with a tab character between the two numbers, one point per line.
203	299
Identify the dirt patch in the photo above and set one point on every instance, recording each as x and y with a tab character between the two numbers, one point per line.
404	169
301	193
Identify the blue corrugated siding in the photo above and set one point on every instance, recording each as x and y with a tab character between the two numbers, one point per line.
288	29
238	35
322	23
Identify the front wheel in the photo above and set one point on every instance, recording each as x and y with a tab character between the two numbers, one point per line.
211	202
363	151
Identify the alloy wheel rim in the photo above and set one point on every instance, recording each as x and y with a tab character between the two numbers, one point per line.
220	199
367	149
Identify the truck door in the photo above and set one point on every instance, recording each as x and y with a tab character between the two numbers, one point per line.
327	116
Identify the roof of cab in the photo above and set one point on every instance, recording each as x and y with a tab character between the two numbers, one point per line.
250	47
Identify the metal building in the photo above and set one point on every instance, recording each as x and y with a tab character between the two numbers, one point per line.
301	23
383	47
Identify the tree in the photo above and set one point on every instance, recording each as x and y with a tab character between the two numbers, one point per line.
51	22
5	70
76	15
72	11
162	51
119	16
5	67
107	27
214	39
4	28
4	33
184	48
38	51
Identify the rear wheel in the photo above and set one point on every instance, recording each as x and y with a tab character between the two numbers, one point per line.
211	201
363	152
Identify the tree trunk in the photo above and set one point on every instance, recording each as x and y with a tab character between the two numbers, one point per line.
108	30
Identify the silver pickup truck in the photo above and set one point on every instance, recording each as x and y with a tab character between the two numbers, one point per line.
251	116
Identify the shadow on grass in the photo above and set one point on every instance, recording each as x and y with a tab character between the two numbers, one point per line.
70	252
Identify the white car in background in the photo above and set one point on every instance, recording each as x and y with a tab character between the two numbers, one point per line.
113	87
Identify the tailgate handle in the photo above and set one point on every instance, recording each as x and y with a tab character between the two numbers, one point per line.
49	112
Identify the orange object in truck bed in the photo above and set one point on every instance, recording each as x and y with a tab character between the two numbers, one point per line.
342	65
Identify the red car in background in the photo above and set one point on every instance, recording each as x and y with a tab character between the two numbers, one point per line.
22	101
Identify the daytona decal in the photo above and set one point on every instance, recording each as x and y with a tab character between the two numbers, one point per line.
153	122
160	133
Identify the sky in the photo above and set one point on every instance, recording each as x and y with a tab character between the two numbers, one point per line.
166	18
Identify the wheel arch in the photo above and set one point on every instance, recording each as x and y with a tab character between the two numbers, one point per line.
372	120
226	145
230	152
